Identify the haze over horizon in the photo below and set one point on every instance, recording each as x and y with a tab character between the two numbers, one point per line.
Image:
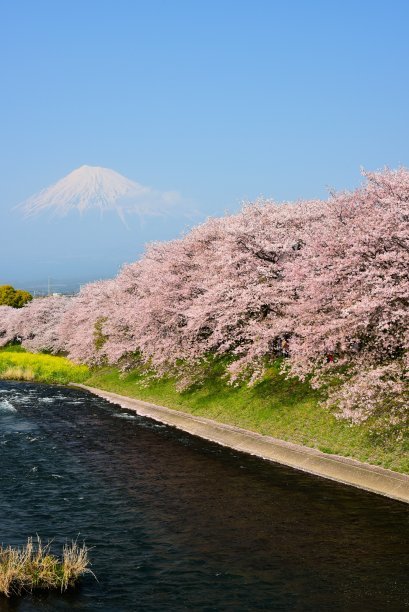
214	103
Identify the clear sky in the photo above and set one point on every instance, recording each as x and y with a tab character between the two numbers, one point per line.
220	100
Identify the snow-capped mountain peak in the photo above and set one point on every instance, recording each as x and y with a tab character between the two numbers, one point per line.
103	189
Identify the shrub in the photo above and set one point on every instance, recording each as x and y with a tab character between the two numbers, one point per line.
16	298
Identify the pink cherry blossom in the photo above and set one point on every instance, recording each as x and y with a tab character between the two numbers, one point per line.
37	323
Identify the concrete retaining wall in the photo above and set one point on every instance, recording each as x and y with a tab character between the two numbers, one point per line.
342	469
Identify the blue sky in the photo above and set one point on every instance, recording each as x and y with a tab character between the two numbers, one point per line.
218	100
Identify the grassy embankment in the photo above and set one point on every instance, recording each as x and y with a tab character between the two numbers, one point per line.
285	409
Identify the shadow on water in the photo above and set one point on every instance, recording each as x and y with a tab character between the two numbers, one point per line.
181	524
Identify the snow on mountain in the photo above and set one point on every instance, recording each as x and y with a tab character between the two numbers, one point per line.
94	188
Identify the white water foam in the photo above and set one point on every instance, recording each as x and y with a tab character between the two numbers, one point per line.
125	416
6	406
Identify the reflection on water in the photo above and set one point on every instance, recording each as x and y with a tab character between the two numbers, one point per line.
177	523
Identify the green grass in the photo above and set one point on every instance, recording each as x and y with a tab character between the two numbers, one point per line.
13	348
285	409
17	364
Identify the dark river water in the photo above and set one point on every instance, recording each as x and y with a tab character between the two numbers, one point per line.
177	523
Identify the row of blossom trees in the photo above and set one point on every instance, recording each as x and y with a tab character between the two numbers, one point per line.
326	283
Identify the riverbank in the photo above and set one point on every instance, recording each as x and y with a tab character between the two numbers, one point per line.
347	471
283	409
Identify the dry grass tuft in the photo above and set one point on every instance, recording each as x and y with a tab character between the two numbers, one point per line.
32	567
18	373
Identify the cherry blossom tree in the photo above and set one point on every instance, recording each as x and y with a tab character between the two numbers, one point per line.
353	305
247	293
221	289
38	323
8	324
81	327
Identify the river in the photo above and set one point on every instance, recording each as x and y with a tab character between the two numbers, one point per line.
177	523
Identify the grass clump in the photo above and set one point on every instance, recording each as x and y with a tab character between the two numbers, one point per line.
20	365
33	567
18	373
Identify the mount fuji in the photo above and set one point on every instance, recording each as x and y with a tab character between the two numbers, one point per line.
93	188
87	225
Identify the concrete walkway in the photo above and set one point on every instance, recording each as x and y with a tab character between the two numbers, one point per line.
342	469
